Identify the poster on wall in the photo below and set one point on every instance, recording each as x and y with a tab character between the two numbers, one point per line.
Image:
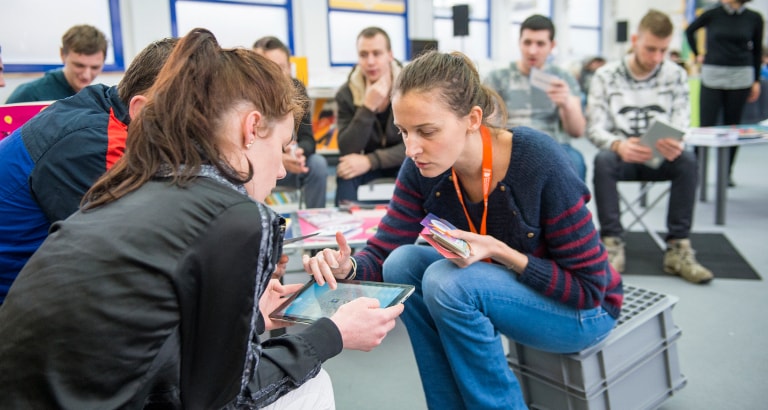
383	6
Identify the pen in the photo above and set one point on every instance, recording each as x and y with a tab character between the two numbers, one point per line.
300	238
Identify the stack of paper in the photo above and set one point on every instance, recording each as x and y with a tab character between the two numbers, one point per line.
330	220
709	134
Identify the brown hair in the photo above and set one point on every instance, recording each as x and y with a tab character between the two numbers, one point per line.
371	32
537	22
270	43
84	39
457	81
177	127
656	23
142	72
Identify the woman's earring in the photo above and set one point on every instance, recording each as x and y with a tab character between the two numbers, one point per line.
248	145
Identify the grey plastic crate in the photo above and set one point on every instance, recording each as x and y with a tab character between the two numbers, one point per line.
642	341
645	385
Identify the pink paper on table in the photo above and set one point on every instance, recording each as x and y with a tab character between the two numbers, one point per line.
13	116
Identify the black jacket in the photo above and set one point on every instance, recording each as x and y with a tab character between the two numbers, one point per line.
363	131
153	299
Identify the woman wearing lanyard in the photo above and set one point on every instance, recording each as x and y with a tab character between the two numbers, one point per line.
537	272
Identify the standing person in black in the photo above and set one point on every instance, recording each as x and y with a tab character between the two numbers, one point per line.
730	74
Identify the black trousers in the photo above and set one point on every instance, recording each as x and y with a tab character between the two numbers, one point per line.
730	103
610	169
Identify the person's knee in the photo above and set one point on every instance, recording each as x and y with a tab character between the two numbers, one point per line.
395	267
318	166
346	189
687	159
605	159
442	283
322	382
577	159
685	167
605	163
316	393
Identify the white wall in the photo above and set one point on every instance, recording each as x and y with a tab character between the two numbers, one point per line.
144	21
633	11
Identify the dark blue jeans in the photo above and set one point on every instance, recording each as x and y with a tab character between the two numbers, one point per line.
314	182
683	172
346	189
725	105
578	161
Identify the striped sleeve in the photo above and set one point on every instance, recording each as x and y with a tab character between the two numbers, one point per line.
400	226
571	266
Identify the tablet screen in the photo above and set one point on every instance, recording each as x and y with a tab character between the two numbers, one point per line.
314	301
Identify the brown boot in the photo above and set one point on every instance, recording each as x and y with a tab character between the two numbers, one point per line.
680	259
615	248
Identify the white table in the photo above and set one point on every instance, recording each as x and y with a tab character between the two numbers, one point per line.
723	162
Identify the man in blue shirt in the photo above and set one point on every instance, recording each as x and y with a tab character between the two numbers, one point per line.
48	164
83	51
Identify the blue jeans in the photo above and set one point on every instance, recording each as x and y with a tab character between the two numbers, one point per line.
455	319
314	183
577	160
346	189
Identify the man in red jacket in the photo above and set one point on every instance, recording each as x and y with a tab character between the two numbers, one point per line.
48	164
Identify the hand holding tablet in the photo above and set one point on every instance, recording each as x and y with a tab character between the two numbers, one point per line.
313	301
659	130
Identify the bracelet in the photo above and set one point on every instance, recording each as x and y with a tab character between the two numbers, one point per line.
354	269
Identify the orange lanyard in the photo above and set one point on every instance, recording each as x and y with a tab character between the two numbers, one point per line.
487	174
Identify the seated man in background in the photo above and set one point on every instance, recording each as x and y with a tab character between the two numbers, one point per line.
48	164
624	98
370	146
83	51
585	75
556	109
307	170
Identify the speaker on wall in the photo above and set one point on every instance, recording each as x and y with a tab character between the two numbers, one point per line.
461	20
419	46
621	31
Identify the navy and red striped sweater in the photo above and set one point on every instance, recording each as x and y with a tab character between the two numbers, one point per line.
539	208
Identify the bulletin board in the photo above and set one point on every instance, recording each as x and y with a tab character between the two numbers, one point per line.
347	18
344	27
31	39
234	23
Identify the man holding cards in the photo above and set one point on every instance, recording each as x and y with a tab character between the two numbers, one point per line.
540	95
625	98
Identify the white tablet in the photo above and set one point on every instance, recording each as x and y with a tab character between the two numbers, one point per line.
658	130
313	301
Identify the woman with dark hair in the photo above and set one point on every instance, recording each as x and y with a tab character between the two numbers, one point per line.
730	74
537	271
154	293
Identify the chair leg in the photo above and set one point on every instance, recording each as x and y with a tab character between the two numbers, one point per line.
644	188
638	216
